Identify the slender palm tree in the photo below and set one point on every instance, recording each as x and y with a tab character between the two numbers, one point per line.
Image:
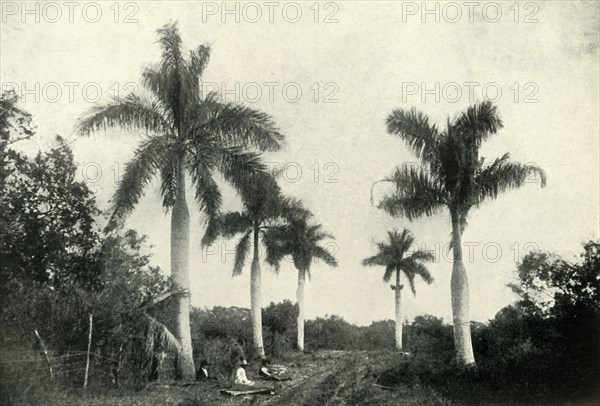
301	241
452	176
184	134
263	207
393	256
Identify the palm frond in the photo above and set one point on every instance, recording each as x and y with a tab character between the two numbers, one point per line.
410	277
208	196
315	233
240	126
212	231
132	113
241	251
376	260
291	209
275	245
136	176
168	185
417	194
401	242
199	59
159	332
413	127
239	167
413	269
321	253
170	42
260	195
423	272
421	255
232	223
389	272
160	83
502	175
479	122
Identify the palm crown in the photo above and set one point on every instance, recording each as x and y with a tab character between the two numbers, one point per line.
264	207
183	132
393	256
301	241
453	174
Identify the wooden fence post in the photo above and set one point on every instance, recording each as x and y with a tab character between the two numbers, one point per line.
87	362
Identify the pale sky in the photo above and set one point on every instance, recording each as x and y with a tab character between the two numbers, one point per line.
370	58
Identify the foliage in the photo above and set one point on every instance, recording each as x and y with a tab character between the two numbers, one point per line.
183	130
125	334
452	173
47	219
332	333
279	323
532	352
264	207
299	240
393	257
56	270
222	336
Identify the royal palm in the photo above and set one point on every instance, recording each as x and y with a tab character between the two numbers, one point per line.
263	207
453	177
393	256
185	134
302	242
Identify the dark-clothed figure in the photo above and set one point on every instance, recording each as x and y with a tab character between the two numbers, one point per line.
266	374
202	372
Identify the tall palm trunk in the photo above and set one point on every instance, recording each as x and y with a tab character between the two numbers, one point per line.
459	287
180	247
300	299
398	292
256	298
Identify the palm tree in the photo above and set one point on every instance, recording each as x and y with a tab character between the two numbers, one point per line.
264	206
452	176
301	241
392	256
184	133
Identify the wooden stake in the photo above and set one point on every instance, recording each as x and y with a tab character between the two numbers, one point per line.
45	353
87	362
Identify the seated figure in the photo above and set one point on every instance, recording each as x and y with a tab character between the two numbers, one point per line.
240	374
202	372
266	374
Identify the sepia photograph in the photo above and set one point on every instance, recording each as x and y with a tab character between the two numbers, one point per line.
308	203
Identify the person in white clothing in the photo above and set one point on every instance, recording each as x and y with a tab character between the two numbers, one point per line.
240	374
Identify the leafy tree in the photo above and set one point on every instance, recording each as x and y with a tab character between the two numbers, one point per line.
379	335
15	123
279	319
452	176
393	256
301	241
549	285
264	206
56	269
333	333
184	134
47	231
